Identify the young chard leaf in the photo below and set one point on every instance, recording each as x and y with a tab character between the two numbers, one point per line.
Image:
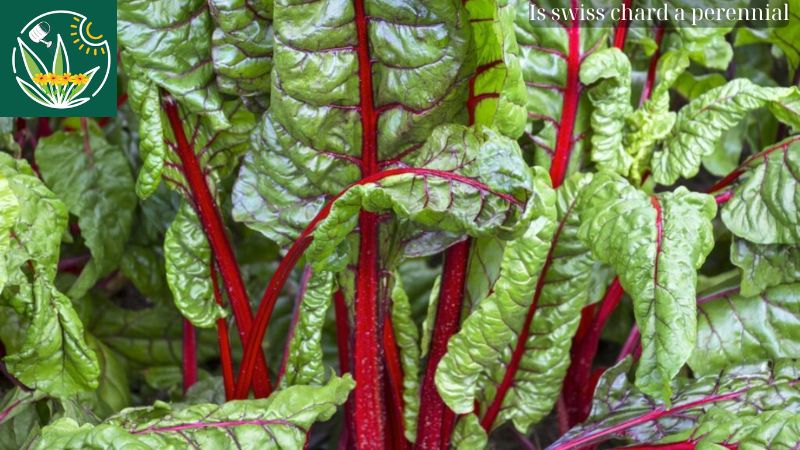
611	99
188	265
655	245
701	124
304	363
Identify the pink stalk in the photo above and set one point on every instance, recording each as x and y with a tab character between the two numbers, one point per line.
189	355
214	229
223	340
436	420
621	33
569	110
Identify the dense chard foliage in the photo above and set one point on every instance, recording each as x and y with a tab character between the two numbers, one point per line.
384	224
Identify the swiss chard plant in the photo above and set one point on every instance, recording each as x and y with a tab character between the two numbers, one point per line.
409	224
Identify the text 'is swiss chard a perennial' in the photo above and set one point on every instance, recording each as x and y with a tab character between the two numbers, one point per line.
394	224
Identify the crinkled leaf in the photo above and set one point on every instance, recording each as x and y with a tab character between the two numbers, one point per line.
706	45
51	353
304	362
187	255
655	244
653	121
621	411
217	149
170	43
471	181
145	101
765	207
763	266
609	71
468	434
54	357
146	337
93	179
40	222
737	329
407	337
280	421
242	48
9	209
545	56
511	117
309	144
472	352
497	88
701	123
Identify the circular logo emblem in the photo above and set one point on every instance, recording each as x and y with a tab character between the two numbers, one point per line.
61	59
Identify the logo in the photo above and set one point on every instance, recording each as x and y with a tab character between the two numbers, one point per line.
63	61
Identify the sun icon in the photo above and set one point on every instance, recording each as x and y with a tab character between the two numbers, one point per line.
81	33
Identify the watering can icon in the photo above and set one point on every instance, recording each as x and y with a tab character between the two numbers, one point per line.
39	32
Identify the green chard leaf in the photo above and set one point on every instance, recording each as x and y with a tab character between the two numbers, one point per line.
93	179
765	207
187	255
699	126
242	48
610	69
469	181
52	354
473	367
146	102
471	353
54	357
653	121
764	266
655	244
407	336
497	88
280	421
169	43
309	144
304	363
736	329
621	411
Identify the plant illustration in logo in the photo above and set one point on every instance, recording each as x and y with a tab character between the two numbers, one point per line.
49	74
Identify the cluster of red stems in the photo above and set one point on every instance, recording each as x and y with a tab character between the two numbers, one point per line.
369	351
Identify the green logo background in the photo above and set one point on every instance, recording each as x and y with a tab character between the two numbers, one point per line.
102	14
